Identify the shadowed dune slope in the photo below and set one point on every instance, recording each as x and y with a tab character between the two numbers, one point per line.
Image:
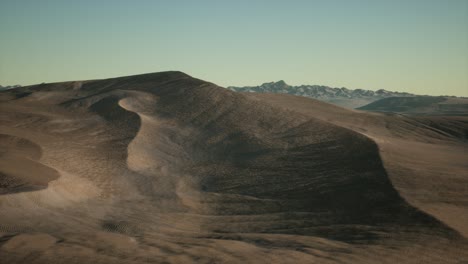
167	168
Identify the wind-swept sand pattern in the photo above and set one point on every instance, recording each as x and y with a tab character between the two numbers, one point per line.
165	168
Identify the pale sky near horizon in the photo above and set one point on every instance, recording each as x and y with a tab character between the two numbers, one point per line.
417	46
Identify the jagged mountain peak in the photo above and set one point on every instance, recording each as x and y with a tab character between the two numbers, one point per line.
281	84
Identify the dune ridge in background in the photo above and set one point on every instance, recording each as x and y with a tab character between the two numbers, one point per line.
167	168
421	105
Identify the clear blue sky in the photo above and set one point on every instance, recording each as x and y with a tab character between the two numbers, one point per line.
418	46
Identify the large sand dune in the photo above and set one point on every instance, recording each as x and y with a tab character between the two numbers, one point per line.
165	168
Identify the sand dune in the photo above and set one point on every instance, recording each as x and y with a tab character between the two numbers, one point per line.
165	168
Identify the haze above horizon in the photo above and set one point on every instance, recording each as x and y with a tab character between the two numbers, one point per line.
416	46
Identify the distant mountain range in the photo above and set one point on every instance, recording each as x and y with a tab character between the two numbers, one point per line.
340	96
3	88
